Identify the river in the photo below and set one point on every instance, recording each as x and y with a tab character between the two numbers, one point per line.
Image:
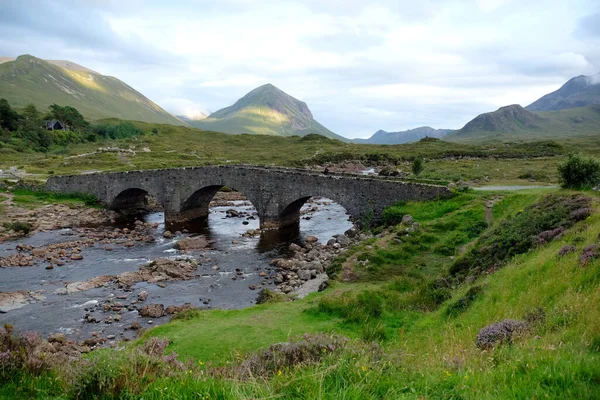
232	256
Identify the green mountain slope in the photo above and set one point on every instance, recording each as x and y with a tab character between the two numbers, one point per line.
266	110
31	80
516	123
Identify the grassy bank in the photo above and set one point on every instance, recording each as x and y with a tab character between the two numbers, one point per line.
397	323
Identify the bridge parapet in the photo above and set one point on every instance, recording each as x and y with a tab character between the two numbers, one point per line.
277	193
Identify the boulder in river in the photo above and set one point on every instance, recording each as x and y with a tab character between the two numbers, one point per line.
195	243
152	310
312	239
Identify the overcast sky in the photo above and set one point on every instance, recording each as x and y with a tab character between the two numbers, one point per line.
360	65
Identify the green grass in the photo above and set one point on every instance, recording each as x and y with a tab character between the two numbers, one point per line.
32	199
246	330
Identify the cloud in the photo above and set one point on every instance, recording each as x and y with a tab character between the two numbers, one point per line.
360	66
589	26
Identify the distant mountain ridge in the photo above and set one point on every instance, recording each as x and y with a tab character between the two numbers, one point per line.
408	136
581	91
28	79
266	110
516	123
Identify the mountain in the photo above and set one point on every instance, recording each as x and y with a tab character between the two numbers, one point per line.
580	91
266	110
31	80
411	135
516	123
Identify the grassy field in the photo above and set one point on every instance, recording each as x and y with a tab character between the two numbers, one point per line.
411	328
175	146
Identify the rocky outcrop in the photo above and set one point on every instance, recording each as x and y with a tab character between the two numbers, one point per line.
304	271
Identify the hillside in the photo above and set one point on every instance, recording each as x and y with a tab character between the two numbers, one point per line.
580	91
31	80
516	123
408	136
266	110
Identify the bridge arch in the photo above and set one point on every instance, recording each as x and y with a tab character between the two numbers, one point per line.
196	205
131	200
290	214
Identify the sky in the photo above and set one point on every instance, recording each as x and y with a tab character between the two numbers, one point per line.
359	65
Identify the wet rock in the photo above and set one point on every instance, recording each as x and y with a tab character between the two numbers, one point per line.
313	254
252	287
177	309
57	338
304	275
50	266
142	296
196	243
351	233
278	279
152	310
134	326
295	248
77	256
167	234
342	240
311	239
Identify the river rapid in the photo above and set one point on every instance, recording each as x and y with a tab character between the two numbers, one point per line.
229	276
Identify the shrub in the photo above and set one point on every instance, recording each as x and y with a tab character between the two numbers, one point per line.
22	352
19	226
268	296
114	374
462	304
389	171
310	349
589	254
579	172
418	165
522	232
499	333
568	249
373	331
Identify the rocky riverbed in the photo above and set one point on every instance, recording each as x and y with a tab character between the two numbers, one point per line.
97	281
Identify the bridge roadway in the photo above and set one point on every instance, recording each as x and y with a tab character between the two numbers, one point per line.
277	193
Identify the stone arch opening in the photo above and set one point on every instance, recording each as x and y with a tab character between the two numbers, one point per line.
195	210
321	216
134	201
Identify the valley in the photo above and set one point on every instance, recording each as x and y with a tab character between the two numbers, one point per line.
486	287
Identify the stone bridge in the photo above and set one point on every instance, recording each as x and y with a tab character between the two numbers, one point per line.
277	193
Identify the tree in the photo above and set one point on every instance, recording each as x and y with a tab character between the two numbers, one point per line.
579	172
68	116
418	165
8	117
31	113
33	135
